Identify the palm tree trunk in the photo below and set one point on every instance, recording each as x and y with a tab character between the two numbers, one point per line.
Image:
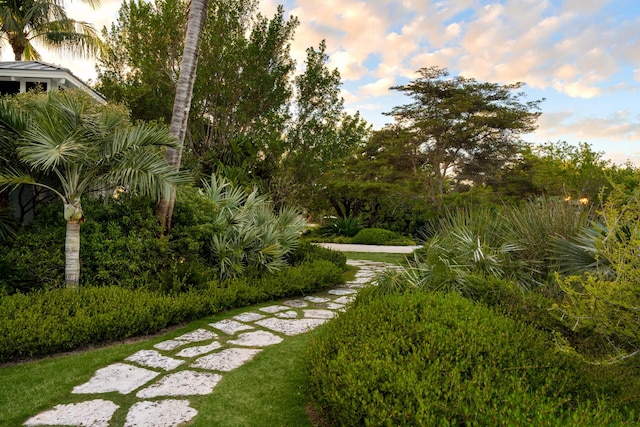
182	102
72	254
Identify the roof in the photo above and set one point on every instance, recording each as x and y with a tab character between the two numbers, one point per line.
38	69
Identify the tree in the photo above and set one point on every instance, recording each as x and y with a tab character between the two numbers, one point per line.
45	21
457	125
182	102
84	148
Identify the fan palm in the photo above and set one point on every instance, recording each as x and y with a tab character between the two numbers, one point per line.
45	21
84	147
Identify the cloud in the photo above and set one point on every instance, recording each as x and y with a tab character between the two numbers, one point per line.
617	126
377	88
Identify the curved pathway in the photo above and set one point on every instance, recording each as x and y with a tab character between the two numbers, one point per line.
163	377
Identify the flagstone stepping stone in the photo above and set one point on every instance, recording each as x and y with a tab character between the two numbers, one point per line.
287	315
296	303
347	299
197	335
341	292
92	413
183	383
199	350
226	360
274	308
291	326
249	317
163	413
317	300
256	339
153	359
319	314
230	327
334	306
118	377
169	345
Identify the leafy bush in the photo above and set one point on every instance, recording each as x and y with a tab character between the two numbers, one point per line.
378	236
307	251
346	226
46	322
454	363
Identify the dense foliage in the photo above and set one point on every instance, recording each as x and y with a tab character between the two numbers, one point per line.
454	363
56	320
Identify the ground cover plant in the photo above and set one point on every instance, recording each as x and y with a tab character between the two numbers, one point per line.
455	363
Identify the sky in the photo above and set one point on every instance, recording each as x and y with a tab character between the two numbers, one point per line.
581	56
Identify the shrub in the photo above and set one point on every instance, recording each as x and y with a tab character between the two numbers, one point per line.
439	359
46	322
307	251
345	226
378	236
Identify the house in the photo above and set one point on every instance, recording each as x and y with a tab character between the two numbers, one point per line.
22	76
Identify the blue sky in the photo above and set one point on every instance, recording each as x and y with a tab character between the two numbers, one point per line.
583	56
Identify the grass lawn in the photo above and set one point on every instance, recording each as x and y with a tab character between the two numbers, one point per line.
380	257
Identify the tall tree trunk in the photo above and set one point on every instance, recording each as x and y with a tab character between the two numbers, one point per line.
72	254
182	103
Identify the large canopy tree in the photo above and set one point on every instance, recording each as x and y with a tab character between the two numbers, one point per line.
84	148
457	125
23	22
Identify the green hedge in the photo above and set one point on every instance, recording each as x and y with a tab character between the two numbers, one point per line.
47	322
378	236
439	359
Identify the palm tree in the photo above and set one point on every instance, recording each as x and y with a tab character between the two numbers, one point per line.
45	21
182	102
84	147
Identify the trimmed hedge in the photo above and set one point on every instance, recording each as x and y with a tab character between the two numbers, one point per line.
47	322
379	236
439	359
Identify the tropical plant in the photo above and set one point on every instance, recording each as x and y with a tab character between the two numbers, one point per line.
45	21
250	234
84	147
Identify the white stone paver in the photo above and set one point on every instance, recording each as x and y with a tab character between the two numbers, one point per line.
347	299
91	413
256	339
287	315
119	377
342	291
296	303
199	350
317	300
334	306
292	317
169	345
153	359
319	314
163	413
274	308
197	335
291	326
231	327
183	383
249	317
226	360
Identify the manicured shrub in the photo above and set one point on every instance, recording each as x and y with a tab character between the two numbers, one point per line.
378	236
47	322
439	359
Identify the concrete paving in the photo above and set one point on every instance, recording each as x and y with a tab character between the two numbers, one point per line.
343	247
193	363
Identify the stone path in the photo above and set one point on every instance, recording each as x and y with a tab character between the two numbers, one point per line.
163	377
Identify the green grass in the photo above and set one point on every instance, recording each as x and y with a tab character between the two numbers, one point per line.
379	257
